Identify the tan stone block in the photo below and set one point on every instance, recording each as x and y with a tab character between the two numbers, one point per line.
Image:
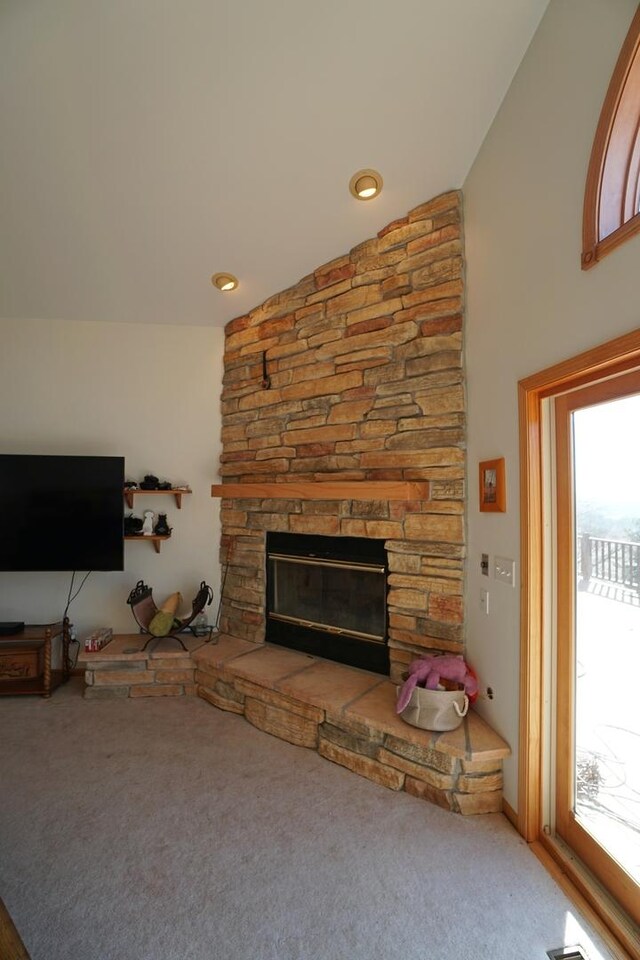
432	526
440	291
451	200
358	727
229	434
349	741
435	238
251	469
442	251
443	781
425	791
165	690
419	439
368	355
272	453
446	608
313	371
434	312
326	336
326	293
481	766
389	336
190	689
106	693
377	428
424	642
470	804
281	723
402	621
479	783
336	431
174	676
381	308
426	756
394	225
415	582
436	456
109	678
340	269
206	674
435	274
364	766
407	599
353	299
279	700
442	325
322	386
396	285
217	700
328	526
403	234
383	528
353	528
359	446
351	412
405	563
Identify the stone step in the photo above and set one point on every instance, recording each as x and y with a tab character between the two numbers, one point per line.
348	715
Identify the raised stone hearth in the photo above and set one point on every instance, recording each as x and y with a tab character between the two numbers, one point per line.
348	716
124	669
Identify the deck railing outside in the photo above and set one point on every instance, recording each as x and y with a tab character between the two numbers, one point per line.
614	561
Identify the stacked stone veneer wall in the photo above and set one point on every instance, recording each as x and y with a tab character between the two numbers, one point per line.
365	362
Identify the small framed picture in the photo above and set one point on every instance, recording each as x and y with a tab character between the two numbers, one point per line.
493	496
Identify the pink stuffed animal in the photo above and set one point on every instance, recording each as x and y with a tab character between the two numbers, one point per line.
427	671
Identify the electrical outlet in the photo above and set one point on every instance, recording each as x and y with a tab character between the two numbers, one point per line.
504	570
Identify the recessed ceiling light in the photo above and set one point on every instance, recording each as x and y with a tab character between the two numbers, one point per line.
224	281
365	184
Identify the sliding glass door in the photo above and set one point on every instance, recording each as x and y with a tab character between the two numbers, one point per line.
598	631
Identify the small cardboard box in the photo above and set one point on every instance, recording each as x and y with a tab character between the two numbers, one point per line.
98	639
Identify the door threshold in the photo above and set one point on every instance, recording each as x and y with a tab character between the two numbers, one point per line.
617	930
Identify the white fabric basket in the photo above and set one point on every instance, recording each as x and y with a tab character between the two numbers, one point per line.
436	709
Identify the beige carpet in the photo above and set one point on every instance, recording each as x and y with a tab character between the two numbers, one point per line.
158	830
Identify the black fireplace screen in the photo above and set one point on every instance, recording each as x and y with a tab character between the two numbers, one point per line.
327	595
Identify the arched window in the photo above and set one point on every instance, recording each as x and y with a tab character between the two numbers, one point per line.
612	194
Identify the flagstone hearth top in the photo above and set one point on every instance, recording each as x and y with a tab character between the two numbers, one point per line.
367	699
129	646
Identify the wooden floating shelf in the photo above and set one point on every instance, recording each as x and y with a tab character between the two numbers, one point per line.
155	539
326	490
130	494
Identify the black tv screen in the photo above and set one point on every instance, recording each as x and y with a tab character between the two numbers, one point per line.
61	513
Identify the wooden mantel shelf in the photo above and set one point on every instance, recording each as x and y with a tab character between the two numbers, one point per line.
325	490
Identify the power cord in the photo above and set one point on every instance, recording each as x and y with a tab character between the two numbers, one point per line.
71	662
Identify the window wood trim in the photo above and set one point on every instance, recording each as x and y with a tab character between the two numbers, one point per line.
613	179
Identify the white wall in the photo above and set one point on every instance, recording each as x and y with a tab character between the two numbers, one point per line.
529	304
145	392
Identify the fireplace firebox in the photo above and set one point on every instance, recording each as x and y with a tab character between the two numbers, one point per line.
327	596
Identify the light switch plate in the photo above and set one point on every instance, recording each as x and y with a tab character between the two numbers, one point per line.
504	570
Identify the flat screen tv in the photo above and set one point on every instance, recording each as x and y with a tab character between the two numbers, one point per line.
61	513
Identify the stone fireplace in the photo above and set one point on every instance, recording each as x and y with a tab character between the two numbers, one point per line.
357	431
328	596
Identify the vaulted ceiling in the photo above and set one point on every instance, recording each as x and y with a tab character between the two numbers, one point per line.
147	144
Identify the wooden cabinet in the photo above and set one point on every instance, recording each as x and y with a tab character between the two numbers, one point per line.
26	659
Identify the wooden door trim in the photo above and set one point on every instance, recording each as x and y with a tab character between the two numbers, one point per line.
603	361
